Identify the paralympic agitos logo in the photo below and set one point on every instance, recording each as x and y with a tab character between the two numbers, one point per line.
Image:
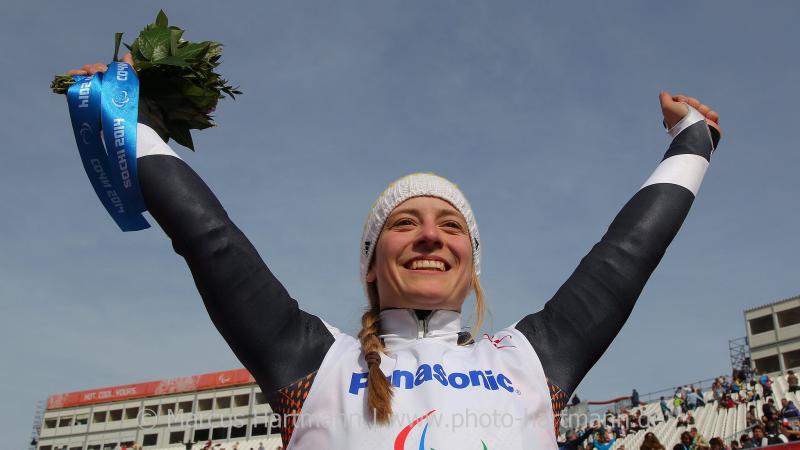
400	440
405	379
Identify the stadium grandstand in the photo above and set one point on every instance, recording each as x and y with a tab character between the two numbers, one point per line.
723	414
760	398
227	410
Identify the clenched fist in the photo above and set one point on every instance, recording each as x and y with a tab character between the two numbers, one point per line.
674	108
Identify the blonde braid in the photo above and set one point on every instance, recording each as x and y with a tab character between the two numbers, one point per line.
379	391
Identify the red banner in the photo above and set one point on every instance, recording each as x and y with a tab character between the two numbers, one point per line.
151	388
790	446
613	400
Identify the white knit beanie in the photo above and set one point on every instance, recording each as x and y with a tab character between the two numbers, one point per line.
415	185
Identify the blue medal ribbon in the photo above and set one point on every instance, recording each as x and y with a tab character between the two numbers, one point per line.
108	103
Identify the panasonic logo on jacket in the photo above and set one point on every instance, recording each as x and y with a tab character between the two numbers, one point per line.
457	380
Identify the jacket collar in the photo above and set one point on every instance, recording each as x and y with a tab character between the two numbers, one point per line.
403	325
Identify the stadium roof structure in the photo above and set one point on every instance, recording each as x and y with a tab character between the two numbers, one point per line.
796	297
213	380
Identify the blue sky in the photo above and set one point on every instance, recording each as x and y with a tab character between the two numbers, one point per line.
546	115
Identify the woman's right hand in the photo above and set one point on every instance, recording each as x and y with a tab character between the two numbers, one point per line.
91	69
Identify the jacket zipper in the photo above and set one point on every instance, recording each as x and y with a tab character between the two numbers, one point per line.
422	325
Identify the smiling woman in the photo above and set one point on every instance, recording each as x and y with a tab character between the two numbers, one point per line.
426	258
420	257
423	255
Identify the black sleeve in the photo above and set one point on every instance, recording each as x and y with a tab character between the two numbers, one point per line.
274	339
578	324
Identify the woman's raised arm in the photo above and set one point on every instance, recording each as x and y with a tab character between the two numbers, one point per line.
578	324
275	340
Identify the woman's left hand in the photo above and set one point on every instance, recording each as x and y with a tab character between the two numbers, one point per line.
674	108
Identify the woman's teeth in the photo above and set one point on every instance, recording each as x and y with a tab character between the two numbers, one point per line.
427	264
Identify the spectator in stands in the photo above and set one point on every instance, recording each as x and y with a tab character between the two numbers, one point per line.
789	409
638	422
716	444
766	384
759	440
769	410
699	442
574	440
620	429
622	417
756	394
791	380
735	445
634	422
716	389
689	418
188	444
700	401
261	446
746	441
664	409
736	385
677	403
726	385
729	404
603	441
746	373
691	400
651	442
634	398
790	431
682	422
609	418
773	433
752	417
685	443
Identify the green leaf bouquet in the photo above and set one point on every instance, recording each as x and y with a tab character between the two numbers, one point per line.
178	85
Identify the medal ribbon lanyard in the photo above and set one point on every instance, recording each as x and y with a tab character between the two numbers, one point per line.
104	112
